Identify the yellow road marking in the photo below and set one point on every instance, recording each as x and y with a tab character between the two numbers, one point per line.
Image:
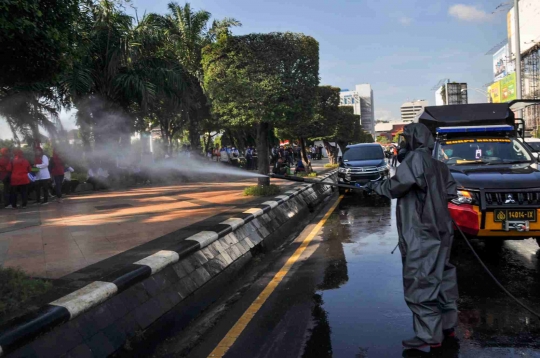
243	321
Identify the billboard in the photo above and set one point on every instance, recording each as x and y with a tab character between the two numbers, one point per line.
508	88
504	90
529	26
495	92
501	64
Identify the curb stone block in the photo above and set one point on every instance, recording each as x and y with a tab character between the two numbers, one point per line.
96	319
200	257
200	276
179	270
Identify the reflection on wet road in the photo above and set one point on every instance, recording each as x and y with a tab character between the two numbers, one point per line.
361	293
344	298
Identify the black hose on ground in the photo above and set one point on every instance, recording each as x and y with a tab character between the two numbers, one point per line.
314	181
300	179
492	276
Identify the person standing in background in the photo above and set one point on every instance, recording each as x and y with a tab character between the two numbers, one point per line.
394	156
57	172
43	177
249	158
19	168
68	186
5	174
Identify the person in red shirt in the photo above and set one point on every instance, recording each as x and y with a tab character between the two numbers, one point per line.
19	167
5	174
57	172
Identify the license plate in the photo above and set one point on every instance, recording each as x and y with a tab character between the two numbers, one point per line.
504	215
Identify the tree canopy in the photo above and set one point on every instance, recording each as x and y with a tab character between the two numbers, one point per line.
262	80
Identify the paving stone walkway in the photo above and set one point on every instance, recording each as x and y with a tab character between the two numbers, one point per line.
60	238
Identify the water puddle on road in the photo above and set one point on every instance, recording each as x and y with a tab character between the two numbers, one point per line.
359	310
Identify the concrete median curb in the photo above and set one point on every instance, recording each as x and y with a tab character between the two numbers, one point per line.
98	318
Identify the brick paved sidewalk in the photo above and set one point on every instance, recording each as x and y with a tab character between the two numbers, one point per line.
58	239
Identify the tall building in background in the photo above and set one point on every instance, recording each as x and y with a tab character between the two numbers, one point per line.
361	99
451	93
409	110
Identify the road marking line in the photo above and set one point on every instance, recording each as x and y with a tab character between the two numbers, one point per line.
246	317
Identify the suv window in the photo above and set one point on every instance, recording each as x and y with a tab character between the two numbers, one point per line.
363	153
482	150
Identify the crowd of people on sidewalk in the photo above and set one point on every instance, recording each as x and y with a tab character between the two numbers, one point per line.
21	179
231	155
286	157
42	177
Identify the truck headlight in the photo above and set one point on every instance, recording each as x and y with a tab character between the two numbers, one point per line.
342	170
464	197
383	168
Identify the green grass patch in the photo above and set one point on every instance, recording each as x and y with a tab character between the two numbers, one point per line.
260	190
333	166
16	289
313	174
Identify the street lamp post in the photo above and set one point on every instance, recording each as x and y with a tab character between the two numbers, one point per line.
479	91
518	54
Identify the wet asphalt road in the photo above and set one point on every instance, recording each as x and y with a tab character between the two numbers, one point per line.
344	298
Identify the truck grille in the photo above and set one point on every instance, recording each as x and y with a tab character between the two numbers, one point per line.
513	198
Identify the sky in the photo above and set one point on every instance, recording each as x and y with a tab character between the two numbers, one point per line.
402	48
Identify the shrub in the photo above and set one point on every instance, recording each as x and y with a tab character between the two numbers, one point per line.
81	177
333	166
259	190
313	174
16	289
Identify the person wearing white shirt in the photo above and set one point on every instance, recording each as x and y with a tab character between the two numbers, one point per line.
43	177
68	186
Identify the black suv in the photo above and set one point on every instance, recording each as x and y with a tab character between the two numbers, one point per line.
362	163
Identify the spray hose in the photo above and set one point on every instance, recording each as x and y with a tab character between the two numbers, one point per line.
492	276
524	306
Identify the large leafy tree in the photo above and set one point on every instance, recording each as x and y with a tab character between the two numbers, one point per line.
262	80
37	41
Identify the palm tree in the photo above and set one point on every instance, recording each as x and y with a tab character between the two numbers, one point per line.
190	33
124	68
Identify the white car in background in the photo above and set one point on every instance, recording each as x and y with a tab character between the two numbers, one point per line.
534	145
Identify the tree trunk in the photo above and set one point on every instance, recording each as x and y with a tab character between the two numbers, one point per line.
332	153
307	162
194	136
342	146
207	144
262	152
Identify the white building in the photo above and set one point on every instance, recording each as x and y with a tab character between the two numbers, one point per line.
361	99
409	110
451	93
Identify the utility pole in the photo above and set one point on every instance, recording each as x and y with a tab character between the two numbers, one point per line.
518	54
